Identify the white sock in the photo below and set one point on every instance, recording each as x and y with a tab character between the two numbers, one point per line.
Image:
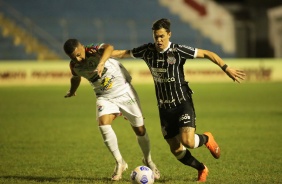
110	140
144	143
197	141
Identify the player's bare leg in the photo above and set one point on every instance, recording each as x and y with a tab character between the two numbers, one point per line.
187	137
184	156
191	140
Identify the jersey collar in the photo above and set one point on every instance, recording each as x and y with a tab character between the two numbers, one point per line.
168	46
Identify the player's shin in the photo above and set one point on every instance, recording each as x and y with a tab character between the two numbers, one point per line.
144	143
186	158
110	140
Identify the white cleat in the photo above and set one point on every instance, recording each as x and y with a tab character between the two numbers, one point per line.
153	167
119	169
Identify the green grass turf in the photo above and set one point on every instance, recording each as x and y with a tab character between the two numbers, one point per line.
45	138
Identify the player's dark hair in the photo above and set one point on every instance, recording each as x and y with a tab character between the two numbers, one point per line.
161	23
70	46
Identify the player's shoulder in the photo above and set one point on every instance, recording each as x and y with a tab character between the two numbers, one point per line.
113	63
95	46
152	47
183	47
149	46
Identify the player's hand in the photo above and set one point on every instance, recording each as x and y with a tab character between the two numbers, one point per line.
91	51
100	69
69	94
235	75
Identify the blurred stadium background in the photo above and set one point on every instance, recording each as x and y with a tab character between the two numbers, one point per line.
36	30
247	32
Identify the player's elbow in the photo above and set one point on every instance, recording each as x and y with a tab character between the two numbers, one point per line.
107	47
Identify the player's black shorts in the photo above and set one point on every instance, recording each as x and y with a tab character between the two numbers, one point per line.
173	119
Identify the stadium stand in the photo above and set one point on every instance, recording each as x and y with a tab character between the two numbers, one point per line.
123	23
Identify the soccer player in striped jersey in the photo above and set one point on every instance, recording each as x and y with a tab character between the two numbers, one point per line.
176	110
115	95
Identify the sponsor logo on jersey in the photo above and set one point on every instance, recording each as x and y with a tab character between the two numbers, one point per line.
166	101
163	80
158	74
184	117
187	47
100	108
130	102
163	70
107	83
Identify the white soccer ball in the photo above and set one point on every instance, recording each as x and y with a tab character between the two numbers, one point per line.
142	175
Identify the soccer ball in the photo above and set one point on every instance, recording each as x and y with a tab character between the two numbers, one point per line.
142	175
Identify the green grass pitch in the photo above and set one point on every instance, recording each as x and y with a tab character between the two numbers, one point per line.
45	138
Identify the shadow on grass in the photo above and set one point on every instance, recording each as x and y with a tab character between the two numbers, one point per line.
42	179
58	179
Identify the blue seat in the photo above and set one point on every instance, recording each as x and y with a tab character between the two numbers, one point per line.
121	23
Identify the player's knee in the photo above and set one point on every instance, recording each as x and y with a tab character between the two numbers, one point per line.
188	143
175	149
140	131
175	145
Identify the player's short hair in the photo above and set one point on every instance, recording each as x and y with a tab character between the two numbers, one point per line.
70	45
161	23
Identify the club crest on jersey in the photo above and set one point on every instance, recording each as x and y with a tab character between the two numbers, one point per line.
170	57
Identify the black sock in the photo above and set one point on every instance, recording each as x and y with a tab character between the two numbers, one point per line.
203	139
188	159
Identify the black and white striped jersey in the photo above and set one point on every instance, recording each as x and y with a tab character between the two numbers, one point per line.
167	69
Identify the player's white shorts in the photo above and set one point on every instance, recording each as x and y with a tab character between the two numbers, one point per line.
128	104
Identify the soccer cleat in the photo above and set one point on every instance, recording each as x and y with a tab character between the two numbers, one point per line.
202	174
212	145
153	167
119	169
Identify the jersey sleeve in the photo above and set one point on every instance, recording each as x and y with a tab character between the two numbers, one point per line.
138	52
187	52
98	47
95	46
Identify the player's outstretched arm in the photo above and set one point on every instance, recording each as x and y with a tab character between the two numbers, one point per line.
234	74
121	54
75	81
